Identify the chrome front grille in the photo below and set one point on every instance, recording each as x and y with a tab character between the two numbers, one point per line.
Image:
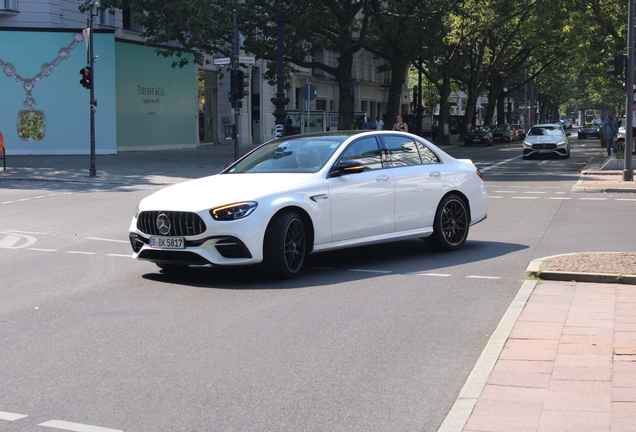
181	223
543	146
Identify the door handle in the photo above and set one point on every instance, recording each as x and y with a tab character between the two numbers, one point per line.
382	178
435	174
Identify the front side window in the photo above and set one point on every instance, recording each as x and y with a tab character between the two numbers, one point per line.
366	151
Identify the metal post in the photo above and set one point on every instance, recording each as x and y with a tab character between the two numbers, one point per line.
420	108
280	100
628	174
91	64
235	56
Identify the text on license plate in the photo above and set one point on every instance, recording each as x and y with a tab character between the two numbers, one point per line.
545	151
167	242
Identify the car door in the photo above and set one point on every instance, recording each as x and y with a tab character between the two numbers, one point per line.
418	176
362	204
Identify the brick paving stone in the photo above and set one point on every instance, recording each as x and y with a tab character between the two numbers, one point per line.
582	373
529	349
543	367
519	379
536	330
578	396
624	394
566	421
513	394
583	360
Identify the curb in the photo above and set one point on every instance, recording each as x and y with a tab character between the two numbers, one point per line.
534	270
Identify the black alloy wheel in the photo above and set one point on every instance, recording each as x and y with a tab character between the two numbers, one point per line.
285	245
450	228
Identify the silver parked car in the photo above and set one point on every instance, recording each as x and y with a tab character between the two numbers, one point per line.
546	139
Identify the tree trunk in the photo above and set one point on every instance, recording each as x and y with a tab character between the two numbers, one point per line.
395	93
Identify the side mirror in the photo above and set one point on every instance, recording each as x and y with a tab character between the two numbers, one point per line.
346	167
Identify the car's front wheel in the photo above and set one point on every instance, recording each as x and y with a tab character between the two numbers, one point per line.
285	245
450	227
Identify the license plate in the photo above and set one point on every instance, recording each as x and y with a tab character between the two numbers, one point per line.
167	242
477	139
545	151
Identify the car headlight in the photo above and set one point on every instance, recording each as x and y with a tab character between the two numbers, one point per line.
561	143
233	211
527	144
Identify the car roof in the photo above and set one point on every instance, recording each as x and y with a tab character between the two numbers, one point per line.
547	124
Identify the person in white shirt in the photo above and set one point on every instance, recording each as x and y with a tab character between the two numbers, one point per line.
379	124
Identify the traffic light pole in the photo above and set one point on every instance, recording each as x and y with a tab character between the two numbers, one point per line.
628	174
235	68
91	65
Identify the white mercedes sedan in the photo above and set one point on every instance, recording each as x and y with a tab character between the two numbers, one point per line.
312	193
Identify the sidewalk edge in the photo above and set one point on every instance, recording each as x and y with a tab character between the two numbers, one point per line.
463	406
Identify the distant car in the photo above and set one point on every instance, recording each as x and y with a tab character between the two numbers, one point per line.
620	139
311	193
517	132
593	130
567	124
502	133
546	139
478	135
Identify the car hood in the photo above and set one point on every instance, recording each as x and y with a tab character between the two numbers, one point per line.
221	189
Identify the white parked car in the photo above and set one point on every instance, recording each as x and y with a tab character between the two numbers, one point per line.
546	139
310	193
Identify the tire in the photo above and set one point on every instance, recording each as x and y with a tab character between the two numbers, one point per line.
580	136
285	245
450	227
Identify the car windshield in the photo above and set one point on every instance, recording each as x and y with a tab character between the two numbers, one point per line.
545	130
478	129
500	129
293	154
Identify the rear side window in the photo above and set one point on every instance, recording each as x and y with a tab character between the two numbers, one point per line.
402	151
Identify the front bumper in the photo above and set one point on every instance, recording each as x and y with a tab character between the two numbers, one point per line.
545	149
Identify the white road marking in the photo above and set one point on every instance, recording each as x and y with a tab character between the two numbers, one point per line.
522	197
560	198
11	416
81	253
43	250
110	240
120	255
371	271
76	427
500	163
593	199
430	274
537	192
7	202
625	199
26	232
500	191
9	241
495	197
483	277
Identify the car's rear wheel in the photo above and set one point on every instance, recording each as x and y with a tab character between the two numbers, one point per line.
620	146
450	228
285	245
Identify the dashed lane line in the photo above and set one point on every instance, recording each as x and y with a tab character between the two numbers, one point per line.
371	271
76	427
9	416
107	240
430	274
482	277
42	250
120	255
81	252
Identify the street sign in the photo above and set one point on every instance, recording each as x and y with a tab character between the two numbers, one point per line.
246	60
222	61
309	92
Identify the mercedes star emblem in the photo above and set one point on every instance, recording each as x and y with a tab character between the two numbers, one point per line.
163	224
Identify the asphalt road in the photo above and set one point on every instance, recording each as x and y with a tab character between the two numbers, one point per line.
374	338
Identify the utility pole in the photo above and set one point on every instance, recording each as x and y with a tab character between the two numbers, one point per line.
235	71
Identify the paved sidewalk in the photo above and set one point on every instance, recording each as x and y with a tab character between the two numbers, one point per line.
562	359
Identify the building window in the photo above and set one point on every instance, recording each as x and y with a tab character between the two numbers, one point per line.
107	17
321	105
11	5
128	18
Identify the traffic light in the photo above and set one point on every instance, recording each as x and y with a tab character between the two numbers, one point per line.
246	86
236	83
87	77
618	66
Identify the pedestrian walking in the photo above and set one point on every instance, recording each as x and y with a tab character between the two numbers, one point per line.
610	130
434	132
379	124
